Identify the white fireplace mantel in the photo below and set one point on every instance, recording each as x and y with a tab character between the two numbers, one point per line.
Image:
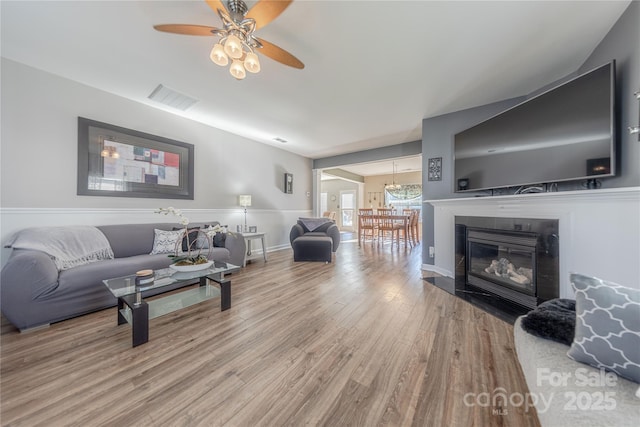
599	230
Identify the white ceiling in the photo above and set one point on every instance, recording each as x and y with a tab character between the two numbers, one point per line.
374	69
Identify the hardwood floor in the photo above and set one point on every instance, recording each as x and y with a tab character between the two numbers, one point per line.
363	341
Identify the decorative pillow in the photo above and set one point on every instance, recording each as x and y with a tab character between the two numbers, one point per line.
554	320
217	236
219	240
193	235
164	242
607	326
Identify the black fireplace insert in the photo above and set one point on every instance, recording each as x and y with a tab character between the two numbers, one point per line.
512	260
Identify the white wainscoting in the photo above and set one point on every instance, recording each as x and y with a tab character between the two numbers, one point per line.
599	230
276	223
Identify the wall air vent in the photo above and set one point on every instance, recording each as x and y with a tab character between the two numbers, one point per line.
171	98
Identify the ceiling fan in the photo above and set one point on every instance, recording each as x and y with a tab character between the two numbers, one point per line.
237	40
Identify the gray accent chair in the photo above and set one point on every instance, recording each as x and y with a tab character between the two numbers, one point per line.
34	293
316	245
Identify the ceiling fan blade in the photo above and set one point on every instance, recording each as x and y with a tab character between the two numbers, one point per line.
266	11
186	29
215	5
278	54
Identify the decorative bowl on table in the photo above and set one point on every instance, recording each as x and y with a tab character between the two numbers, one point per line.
192	267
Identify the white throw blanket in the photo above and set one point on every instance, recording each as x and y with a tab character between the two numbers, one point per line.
69	246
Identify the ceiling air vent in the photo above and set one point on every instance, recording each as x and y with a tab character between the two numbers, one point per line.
171	98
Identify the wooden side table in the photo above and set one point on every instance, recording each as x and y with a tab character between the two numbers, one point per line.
248	237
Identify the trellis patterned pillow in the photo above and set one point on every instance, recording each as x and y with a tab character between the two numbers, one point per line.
607	326
164	242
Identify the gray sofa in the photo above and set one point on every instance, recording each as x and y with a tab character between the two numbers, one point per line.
314	239
570	393
34	293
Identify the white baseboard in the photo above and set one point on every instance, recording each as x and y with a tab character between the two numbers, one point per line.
438	270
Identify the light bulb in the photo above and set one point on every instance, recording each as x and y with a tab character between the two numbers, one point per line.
115	155
233	47
251	63
237	70
104	153
218	56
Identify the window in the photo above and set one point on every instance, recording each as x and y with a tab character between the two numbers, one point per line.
405	197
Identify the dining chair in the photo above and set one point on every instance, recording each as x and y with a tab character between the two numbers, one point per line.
405	227
414	226
384	211
388	225
329	214
367	225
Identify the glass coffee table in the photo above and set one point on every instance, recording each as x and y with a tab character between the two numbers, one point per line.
134	309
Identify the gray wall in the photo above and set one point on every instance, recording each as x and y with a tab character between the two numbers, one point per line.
39	150
622	43
38	164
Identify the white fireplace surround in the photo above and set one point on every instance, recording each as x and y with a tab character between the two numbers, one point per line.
599	230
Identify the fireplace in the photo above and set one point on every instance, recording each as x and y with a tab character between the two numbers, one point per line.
513	261
503	263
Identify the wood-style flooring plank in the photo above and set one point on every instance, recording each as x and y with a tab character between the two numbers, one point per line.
361	341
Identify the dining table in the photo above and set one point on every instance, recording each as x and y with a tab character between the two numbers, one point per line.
401	219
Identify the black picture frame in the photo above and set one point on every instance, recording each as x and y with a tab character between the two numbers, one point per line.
288	183
118	162
434	171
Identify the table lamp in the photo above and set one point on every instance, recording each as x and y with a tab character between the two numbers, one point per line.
244	200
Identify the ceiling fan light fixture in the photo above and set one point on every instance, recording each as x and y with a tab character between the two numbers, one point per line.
218	56
237	70
233	47
237	43
251	63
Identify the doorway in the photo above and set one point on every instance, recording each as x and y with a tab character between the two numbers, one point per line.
347	209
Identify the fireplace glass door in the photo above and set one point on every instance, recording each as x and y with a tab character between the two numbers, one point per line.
502	259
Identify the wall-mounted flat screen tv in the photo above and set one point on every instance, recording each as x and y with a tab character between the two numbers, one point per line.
563	134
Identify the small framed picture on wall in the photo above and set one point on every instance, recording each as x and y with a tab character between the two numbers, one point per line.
288	183
434	169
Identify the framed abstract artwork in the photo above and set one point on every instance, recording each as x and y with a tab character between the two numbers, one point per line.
120	162
434	169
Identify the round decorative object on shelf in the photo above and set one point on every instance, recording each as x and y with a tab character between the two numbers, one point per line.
194	267
144	277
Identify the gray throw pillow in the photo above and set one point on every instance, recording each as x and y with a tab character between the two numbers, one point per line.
193	236
607	326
